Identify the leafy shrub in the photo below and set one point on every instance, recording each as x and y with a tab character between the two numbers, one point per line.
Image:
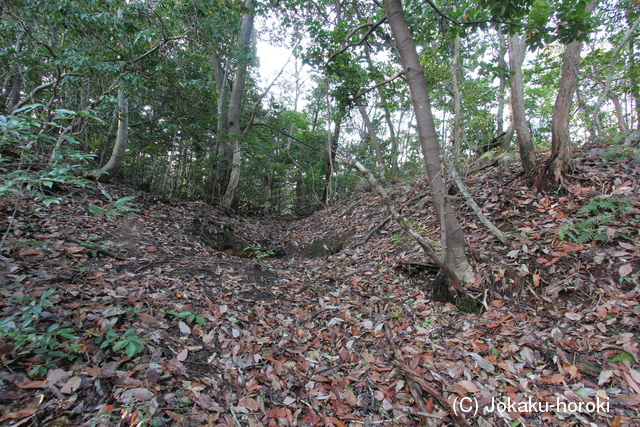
130	342
123	206
54	343
25	137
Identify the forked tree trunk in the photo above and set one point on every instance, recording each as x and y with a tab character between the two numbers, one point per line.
502	75
106	172
561	160
453	244
235	106
220	164
327	193
525	141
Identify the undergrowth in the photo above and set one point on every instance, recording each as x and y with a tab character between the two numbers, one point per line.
596	219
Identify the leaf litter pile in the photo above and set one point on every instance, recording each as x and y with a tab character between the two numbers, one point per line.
182	315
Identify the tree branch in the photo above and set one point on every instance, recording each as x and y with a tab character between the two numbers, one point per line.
359	42
261	97
377	85
402	222
287	134
150	51
487	21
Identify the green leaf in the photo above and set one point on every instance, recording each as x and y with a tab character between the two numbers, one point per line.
97	209
62	113
51	200
27	108
132	349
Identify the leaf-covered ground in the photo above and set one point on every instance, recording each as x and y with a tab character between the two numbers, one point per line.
139	321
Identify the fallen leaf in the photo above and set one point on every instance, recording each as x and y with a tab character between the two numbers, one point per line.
72	385
147	318
470	386
287	401
625	270
141	394
573	316
54	376
337	422
182	356
32	384
604	376
22	413
277	412
184	328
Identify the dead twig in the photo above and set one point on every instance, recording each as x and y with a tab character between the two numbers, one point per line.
413	388
386	220
96	248
412	377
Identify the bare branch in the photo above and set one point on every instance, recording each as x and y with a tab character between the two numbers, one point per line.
261	97
287	134
359	42
402	222
377	85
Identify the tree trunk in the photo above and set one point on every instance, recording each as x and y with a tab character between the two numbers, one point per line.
561	160
588	124
394	141
525	142
615	100
612	65
633	82
374	140
453	244
502	85
387	119
455	69
326	197
221	150
106	172
235	106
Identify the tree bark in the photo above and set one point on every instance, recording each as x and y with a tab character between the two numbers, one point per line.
633	83
588	124
615	100
502	86
220	164
235	106
525	142
327	195
106	172
561	160
453	244
457	110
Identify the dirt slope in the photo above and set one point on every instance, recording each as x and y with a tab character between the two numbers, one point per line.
140	321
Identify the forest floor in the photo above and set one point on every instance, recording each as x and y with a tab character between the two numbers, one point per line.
113	321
